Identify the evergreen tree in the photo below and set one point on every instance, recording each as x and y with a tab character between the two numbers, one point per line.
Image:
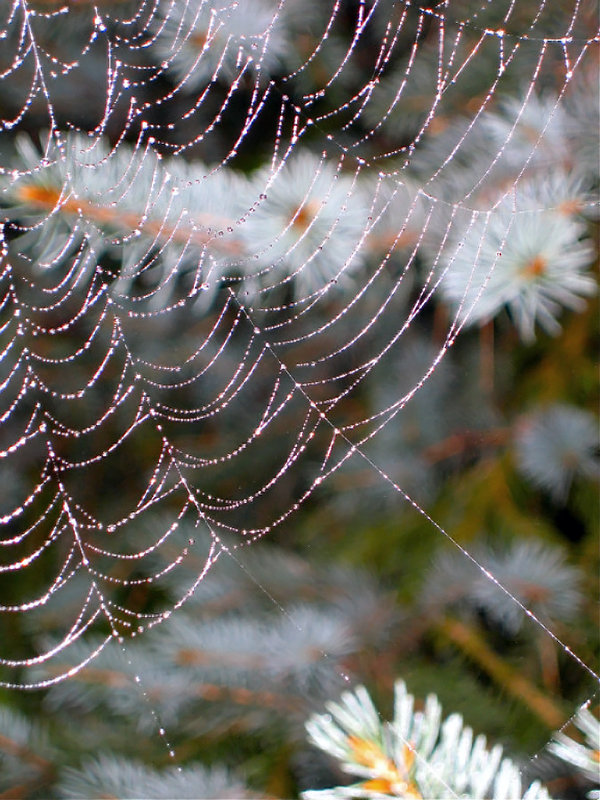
298	393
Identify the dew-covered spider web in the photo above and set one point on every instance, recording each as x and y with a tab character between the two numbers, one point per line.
222	220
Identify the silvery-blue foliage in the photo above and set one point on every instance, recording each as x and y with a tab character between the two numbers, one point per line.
127	202
234	650
585	756
165	219
202	42
556	445
414	755
536	574
114	776
528	129
24	737
227	644
535	263
566	192
307	226
582	123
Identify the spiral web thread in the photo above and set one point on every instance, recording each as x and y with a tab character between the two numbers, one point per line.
292	279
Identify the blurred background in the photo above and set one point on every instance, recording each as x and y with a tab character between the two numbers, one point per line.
314	578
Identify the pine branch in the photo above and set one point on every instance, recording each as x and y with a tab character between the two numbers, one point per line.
21	751
586	756
24	744
113	218
413	756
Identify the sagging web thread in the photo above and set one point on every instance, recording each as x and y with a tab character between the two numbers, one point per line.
217	234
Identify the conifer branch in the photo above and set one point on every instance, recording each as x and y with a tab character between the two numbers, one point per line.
416	755
115	218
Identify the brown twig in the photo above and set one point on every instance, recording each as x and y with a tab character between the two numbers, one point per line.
468	640
24	753
52	199
463	442
486	358
45	769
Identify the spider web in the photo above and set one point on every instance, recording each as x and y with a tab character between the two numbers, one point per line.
197	232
